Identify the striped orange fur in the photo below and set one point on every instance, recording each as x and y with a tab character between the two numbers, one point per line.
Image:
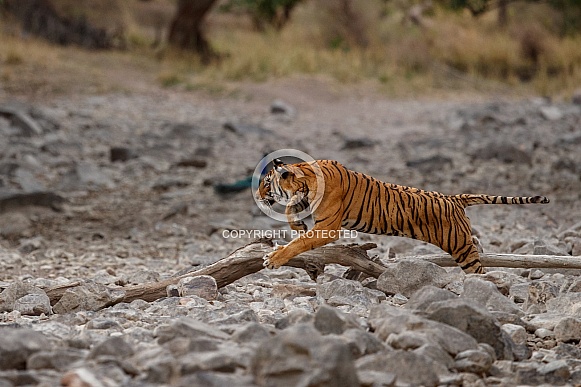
355	201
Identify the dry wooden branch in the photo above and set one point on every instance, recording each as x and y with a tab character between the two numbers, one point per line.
511	260
248	260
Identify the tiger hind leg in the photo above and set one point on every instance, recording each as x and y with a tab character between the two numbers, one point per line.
468	259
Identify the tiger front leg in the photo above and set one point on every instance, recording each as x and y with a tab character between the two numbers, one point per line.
307	241
293	209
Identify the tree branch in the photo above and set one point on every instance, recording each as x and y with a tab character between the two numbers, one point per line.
512	260
248	260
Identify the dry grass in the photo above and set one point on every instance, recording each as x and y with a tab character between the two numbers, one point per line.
526	57
33	67
454	52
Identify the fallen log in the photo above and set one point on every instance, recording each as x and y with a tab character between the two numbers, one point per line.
510	260
244	261
248	260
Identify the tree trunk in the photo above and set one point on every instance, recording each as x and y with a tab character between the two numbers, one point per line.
186	28
502	13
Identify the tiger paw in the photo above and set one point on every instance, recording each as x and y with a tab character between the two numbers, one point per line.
267	263
270	261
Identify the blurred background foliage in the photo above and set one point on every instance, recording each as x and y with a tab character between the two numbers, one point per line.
405	46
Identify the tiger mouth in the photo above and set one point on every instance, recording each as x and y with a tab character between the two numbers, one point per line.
267	201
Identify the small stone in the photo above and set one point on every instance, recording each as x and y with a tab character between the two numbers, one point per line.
215	379
187	327
242	317
357	143
536	274
409	367
487	295
544	333
541	247
428	295
86	175
121	154
408	276
539	293
564	350
399	299
33	304
100	323
361	342
14	225
451	339
80	377
182	345
555	372
192	162
295	316
436	353
17	345
88	296
251	333
568	330
141	277
519	292
25	298
331	320
516	332
346	292
203	286
505	152
475	361
172	291
280	107
227	359
59	359
430	164
28	245
407	340
377	378
551	113
114	346
244	129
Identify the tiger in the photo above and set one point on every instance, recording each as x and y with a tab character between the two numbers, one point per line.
356	201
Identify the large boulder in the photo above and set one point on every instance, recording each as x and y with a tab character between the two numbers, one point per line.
410	368
486	295
17	345
301	356
408	276
475	321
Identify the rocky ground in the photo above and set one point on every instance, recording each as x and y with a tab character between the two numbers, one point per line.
120	189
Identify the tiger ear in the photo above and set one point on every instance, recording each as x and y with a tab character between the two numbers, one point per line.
279	167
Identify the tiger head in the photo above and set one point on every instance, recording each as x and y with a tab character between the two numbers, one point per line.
282	183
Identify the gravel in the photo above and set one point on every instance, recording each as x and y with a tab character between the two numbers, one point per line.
117	189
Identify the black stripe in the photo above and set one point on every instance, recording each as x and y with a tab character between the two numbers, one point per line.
470	264
328	217
352	189
362	205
